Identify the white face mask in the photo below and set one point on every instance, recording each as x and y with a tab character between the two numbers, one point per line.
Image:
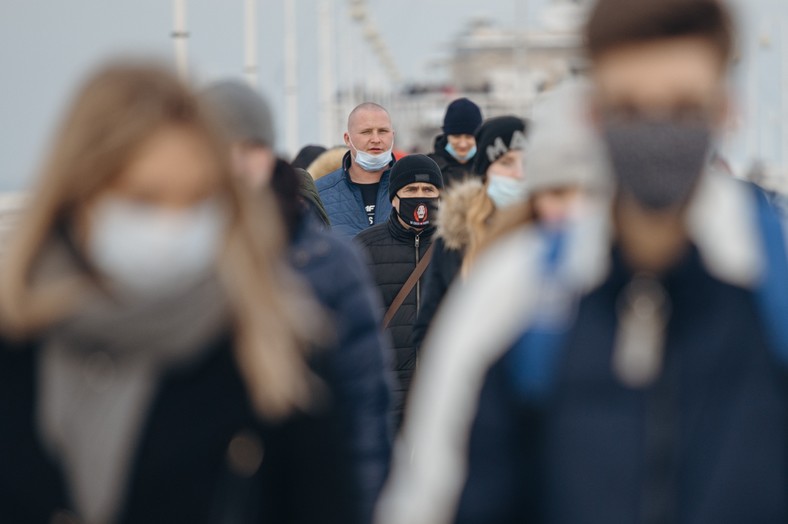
506	191
147	250
369	162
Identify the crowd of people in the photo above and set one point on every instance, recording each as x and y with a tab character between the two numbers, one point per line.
574	317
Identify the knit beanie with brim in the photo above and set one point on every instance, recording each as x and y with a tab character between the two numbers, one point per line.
241	112
462	117
496	137
411	169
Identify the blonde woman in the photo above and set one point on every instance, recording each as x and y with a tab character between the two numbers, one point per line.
151	363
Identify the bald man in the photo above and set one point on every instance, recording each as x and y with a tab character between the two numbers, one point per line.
356	195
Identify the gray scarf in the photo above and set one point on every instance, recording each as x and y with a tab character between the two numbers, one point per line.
98	374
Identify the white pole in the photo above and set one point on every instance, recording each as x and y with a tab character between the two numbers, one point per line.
180	37
784	96
291	77
328	133
250	42
753	118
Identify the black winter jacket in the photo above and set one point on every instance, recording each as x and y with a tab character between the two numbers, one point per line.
444	268
452	171
393	253
182	470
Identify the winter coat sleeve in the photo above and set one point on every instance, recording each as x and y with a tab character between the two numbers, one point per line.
363	368
356	366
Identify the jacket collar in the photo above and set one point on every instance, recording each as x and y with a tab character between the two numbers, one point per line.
404	234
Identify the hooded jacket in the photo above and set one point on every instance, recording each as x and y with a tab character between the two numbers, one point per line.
452	240
344	204
452	171
393	251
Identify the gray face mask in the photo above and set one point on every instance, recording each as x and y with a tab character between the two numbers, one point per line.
658	161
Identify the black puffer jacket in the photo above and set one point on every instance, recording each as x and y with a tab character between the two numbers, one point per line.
393	252
452	171
451	242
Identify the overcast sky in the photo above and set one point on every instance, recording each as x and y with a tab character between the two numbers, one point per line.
46	48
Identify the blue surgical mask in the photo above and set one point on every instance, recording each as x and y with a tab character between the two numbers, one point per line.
450	149
506	191
372	163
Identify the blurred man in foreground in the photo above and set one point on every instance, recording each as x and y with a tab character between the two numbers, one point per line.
643	379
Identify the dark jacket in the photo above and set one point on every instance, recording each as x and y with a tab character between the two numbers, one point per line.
444	267
357	357
344	204
393	252
180	471
451	169
308	193
705	443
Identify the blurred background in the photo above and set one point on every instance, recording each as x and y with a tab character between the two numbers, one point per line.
316	59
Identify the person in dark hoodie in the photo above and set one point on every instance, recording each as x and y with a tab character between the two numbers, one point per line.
398	249
357	356
455	149
307	155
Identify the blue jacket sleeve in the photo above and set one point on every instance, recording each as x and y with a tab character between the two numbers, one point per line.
358	365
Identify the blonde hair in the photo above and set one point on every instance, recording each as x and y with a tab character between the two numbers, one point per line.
118	108
328	162
481	210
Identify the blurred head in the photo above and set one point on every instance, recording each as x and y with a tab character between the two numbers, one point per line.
137	167
659	69
246	119
307	155
370	137
414	189
460	122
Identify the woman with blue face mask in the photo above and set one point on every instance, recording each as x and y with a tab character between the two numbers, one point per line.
151	361
468	207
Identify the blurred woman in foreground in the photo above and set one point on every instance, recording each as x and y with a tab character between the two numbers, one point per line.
151	363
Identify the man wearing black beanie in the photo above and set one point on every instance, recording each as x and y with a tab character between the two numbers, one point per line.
455	149
398	254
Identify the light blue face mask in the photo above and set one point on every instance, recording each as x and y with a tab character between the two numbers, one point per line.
457	157
372	163
506	191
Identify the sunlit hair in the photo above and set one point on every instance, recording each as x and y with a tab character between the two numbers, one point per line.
480	214
114	113
328	162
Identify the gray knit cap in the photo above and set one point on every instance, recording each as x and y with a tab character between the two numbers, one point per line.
243	113
564	149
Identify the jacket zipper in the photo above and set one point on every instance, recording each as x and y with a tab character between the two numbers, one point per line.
418	282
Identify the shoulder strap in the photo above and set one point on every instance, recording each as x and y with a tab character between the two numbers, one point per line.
408	286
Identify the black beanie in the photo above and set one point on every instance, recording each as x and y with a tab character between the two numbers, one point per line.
414	168
496	137
463	117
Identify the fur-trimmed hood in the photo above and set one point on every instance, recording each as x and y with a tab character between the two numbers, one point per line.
453	225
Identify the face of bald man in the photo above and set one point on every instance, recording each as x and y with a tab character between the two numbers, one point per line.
370	131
